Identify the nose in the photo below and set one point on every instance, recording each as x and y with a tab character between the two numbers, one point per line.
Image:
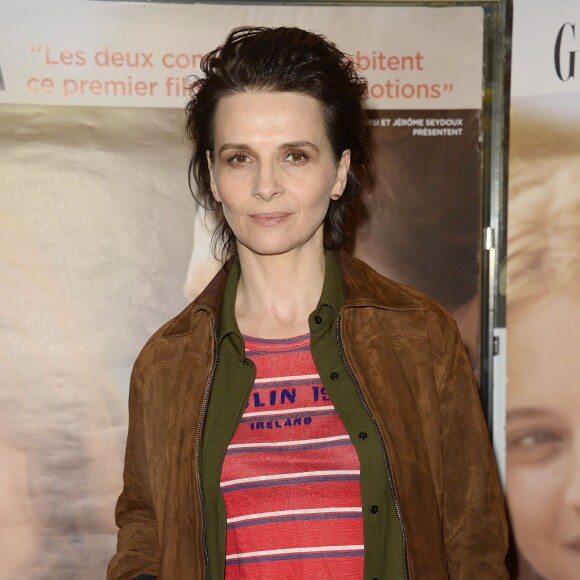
267	183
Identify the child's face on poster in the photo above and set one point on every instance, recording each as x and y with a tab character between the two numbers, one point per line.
543	434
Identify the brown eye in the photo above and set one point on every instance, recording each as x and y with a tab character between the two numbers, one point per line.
296	156
238	159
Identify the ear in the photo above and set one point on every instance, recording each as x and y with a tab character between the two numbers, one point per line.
341	175
214	189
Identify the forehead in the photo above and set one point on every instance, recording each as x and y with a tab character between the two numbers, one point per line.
543	362
271	116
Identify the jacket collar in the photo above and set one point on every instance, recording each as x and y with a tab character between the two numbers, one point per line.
332	294
365	287
227	311
348	282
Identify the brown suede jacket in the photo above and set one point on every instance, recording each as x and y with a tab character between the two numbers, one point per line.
426	408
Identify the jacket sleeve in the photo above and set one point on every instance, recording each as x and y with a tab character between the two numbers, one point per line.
138	540
474	521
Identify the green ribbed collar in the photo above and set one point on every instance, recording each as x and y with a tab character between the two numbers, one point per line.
228	322
332	294
332	289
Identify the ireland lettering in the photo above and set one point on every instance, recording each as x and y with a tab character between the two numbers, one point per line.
281	423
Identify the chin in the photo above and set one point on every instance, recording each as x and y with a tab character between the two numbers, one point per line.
557	567
269	249
275	246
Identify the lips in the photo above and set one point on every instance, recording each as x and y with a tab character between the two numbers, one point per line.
270	218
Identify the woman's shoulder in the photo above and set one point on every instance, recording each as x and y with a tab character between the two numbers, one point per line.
362	282
191	328
169	341
401	303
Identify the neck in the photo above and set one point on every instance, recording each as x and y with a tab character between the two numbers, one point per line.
277	293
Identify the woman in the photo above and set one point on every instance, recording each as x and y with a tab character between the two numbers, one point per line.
543	407
303	416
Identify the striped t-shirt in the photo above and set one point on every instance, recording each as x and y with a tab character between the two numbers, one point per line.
290	478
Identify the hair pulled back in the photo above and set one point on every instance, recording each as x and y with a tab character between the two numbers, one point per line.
281	60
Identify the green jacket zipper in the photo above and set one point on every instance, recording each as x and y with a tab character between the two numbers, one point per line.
381	442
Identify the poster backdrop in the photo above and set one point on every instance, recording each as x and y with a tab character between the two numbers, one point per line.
543	297
101	242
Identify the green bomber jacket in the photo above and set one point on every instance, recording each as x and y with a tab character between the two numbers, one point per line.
404	379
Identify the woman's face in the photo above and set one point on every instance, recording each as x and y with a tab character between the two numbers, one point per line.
274	170
543	434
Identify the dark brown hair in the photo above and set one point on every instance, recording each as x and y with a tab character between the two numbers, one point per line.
281	60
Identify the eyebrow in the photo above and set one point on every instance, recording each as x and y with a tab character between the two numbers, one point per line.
227	146
526	413
291	145
299	144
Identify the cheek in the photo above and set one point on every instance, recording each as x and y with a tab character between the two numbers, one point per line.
231	192
534	496
230	212
231	182
321	188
